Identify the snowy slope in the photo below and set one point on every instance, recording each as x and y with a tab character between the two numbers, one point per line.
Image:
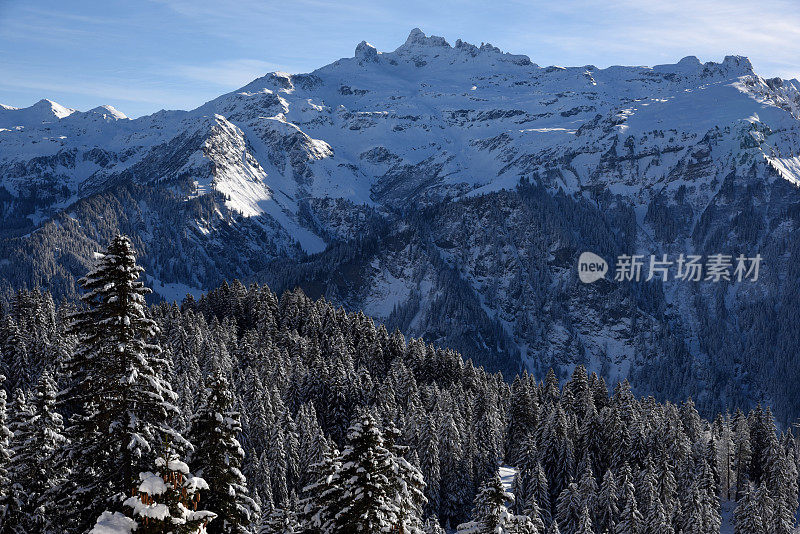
425	119
406	166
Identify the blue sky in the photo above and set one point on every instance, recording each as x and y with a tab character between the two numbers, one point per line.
147	55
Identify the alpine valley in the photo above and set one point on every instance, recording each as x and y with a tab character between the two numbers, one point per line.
447	191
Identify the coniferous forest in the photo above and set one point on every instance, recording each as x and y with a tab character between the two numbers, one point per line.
248	412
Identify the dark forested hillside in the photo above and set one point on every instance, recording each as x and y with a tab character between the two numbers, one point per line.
244	411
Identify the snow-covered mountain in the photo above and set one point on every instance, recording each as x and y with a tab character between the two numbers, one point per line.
448	191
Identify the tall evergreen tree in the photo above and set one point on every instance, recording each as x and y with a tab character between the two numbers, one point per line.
120	404
217	458
35	461
406	484
606	508
280	520
630	519
5	454
568	508
491	515
317	510
748	514
585	522
17	512
366	502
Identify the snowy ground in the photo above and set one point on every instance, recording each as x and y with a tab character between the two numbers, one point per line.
727	517
507	475
172	292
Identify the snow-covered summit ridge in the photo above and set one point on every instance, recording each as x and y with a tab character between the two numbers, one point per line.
417	42
46	111
108	112
434	51
427	119
41	112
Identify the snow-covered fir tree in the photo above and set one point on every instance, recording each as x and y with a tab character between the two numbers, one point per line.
5	454
280	520
367	501
20	469
164	501
316	506
491	514
37	440
121	405
217	458
407	486
748	516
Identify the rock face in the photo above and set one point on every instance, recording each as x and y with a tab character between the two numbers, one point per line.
448	191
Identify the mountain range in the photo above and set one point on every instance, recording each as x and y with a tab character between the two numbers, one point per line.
447	191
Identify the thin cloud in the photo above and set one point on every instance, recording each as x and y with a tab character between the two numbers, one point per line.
105	91
231	73
181	53
640	32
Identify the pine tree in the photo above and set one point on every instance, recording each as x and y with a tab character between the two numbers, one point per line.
585	522
519	489
708	490
491	516
163	502
430	459
366	502
218	457
280	521
5	455
17	513
747	516
316	506
539	489
630	519
432	526
606	509
454	468
15	355
667	487
406	483
121	405
312	443
656	521
783	481
532	511
742	454
35	459
568	508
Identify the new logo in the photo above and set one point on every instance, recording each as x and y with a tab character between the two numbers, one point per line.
591	267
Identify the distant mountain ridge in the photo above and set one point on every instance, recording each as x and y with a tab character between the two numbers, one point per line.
448	191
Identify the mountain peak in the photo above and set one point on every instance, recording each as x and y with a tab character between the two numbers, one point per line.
737	65
43	111
731	67
418	38
365	52
53	107
418	44
108	112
